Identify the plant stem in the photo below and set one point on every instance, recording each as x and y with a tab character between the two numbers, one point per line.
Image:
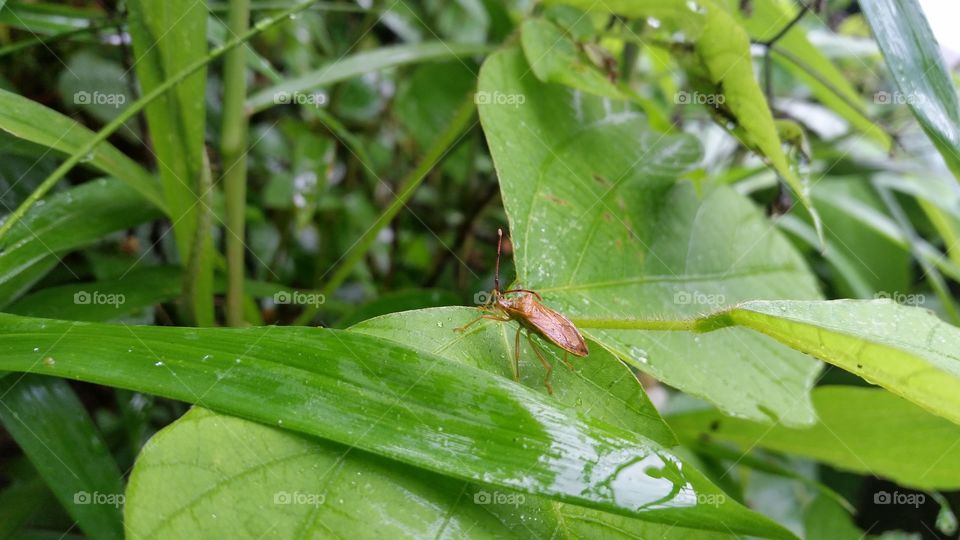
458	126
700	324
196	308
682	325
134	108
233	148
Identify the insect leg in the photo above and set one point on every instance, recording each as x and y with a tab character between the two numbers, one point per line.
546	364
480	318
516	356
566	362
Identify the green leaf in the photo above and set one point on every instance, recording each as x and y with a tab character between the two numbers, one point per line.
395	301
866	430
99	87
907	350
720	63
215	474
169	37
913	58
52	428
824	519
103	300
70	219
33	122
804	61
429	96
553	57
133	290
358	64
601	228
601	386
387	399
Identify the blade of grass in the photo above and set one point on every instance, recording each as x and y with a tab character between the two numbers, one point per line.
458	126
233	146
360	63
88	148
168	37
52	428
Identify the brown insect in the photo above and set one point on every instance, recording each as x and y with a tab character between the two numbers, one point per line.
533	316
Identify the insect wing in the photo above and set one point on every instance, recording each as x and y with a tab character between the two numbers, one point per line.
556	328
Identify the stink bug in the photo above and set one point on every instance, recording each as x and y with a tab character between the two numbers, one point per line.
526	308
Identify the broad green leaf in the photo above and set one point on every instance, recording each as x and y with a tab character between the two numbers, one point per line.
169	37
393	401
553	57
907	350
52	428
601	387
395	301
358	64
602	229
866	430
223	476
720	63
103	300
219	476
805	62
33	122
913	58
67	220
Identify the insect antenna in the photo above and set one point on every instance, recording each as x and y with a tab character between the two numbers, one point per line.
496	273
